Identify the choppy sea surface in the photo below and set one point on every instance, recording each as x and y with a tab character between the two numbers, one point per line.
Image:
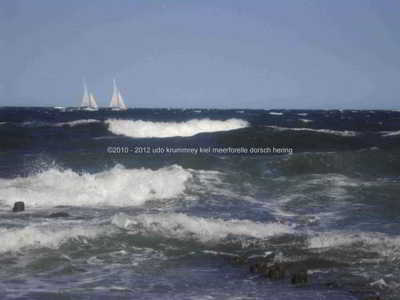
161	203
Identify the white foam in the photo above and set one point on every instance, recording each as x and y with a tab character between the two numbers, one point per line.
328	131
181	226
148	129
76	122
115	187
49	236
273	113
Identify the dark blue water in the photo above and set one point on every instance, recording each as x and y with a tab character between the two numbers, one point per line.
160	203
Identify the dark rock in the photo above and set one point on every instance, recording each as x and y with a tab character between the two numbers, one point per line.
239	260
300	277
259	268
332	285
253	269
373	298
59	215
276	272
19	206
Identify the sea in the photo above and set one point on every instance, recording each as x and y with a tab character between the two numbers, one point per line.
180	203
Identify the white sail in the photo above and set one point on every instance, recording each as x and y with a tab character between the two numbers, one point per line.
114	98
121	103
93	103
85	98
117	102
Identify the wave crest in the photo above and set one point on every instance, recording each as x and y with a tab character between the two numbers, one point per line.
148	129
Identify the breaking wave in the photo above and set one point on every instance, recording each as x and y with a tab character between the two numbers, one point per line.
76	122
38	236
148	129
182	226
115	187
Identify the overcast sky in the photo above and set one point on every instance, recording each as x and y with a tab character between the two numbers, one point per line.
186	53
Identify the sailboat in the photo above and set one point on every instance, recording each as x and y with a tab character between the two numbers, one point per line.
88	100
117	102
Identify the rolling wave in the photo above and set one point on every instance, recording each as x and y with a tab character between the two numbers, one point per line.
182	226
148	129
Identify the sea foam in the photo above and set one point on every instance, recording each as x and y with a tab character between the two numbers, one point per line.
148	129
115	187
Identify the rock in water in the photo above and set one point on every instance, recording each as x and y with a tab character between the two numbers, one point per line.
373	298
259	268
19	206
300	277
239	260
276	272
59	215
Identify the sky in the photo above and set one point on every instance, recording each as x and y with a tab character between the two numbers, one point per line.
288	54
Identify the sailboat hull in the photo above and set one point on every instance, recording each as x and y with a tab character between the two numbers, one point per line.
88	108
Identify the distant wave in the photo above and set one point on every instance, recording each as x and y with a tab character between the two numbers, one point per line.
276	113
36	124
148	129
76	122
328	131
115	187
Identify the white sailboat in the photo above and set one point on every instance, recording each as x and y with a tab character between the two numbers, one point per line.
117	102
88	100
93	103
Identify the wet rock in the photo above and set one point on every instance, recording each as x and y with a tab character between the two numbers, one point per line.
259	268
19	206
332	285
239	260
300	277
266	257
59	215
253	268
276	272
373	298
